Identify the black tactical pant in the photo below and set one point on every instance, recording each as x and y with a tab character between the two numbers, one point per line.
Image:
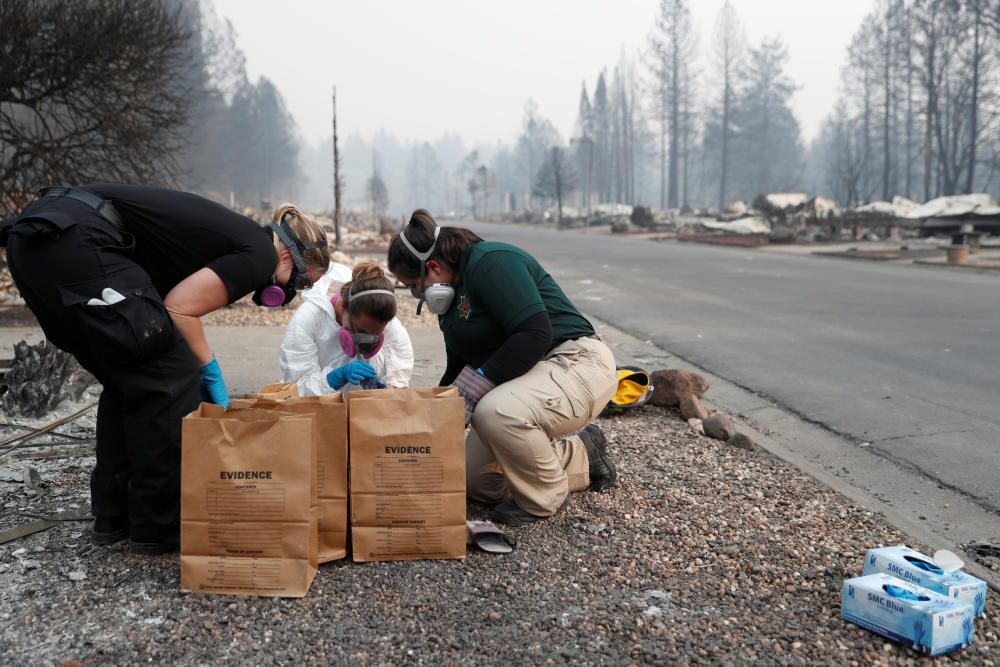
62	255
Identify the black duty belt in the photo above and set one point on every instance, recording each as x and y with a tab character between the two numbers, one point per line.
104	207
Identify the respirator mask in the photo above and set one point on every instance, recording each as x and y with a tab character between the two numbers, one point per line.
437	296
275	294
357	343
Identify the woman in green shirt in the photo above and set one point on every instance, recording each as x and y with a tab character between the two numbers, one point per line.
530	367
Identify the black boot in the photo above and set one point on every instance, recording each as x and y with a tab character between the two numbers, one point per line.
603	474
109	530
509	513
155	547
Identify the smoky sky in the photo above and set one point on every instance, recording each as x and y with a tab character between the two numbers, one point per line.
420	69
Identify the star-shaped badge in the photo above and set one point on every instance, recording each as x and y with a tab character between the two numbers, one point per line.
464	307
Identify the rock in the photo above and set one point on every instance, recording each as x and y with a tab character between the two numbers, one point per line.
741	441
783	235
32	479
652	612
641	217
719	427
671	385
697	426
691	408
77	575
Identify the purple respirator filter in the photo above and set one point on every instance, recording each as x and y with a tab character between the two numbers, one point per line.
272	296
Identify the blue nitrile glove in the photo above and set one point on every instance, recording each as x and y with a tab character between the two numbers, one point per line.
924	565
352	373
373	383
213	385
904	594
472	385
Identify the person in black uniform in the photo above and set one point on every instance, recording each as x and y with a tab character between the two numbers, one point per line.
119	276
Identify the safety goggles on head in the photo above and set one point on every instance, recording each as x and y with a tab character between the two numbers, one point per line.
275	294
437	296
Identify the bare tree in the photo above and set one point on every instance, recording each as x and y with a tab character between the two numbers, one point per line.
602	139
536	135
976	65
729	46
844	164
886	36
465	175
661	106
928	62
673	47
623	110
906	23
89	91
768	148
556	178
863	61
223	61
378	194
961	113
689	103
481	187
584	143
338	182
425	173
927	19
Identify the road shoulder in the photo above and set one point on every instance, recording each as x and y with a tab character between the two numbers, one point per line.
910	501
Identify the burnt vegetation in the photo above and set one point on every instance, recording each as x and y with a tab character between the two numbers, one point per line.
90	91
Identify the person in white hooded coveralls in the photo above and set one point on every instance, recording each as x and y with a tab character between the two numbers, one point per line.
345	332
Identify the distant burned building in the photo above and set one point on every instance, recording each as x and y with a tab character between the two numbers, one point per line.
948	215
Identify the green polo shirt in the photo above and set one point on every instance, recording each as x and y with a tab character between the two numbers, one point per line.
500	286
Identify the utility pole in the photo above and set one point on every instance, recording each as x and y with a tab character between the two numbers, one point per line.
336	175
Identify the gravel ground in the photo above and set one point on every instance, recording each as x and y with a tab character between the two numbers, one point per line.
703	555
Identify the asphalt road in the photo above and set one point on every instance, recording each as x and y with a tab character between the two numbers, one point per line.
905	360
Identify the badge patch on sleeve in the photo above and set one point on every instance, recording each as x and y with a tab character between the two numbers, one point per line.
464	307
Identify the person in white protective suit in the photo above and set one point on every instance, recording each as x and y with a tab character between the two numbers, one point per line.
346	335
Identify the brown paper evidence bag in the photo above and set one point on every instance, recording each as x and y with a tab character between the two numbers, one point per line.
248	516
250	489
407	473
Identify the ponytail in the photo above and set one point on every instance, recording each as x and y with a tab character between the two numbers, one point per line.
316	259
419	231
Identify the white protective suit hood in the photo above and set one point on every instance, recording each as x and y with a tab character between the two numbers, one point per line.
311	347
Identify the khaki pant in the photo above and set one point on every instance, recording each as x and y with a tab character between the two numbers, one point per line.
524	443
